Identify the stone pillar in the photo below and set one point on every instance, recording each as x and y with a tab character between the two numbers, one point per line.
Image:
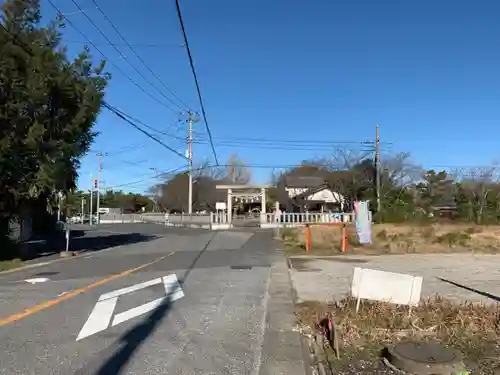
263	209
229	205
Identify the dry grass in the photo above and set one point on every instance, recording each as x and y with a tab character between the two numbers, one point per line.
9	264
473	329
398	239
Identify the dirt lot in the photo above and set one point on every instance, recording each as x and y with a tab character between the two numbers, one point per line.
461	289
398	239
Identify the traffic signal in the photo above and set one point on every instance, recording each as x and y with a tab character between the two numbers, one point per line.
95	184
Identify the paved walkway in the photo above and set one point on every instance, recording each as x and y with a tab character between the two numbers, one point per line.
469	277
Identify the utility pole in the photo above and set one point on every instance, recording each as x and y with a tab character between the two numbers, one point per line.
99	155
81	213
59	199
190	161
377	166
91	197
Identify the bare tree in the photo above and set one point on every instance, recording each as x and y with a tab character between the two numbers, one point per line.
479	186
207	170
236	172
400	169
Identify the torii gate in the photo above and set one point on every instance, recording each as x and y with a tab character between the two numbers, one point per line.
245	191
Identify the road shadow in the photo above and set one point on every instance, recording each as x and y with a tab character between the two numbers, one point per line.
484	294
101	242
133	339
44	247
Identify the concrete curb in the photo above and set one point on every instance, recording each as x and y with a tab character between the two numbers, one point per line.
283	351
36	265
313	351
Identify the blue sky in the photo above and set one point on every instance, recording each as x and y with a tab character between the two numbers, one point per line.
426	71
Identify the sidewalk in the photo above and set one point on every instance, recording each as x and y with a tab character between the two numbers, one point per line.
282	353
468	277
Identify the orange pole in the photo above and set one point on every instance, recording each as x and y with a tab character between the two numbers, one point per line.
308	238
344	239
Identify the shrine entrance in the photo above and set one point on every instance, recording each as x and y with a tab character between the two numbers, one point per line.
245	205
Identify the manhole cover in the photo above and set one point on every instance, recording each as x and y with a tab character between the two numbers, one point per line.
425	358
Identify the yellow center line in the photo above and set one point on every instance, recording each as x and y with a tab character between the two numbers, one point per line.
45	305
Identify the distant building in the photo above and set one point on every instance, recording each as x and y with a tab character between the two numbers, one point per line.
109	210
309	193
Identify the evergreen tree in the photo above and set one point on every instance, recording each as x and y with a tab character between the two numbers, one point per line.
48	106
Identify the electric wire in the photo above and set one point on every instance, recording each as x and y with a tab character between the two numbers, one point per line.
193	70
118	113
139	57
125	57
108	60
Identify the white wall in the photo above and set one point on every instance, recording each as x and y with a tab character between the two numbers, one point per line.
292	192
327	196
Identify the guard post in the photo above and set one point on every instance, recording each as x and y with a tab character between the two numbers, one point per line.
308	238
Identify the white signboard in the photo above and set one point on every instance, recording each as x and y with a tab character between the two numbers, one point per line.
220	206
389	287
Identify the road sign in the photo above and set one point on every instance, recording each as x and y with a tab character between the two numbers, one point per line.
100	317
220	205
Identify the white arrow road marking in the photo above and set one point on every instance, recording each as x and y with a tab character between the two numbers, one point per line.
136	311
37	280
130	289
100	317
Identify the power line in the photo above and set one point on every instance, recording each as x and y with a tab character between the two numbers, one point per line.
162	132
315	141
110	61
122	116
193	70
263	143
138	45
158	175
124	57
137	55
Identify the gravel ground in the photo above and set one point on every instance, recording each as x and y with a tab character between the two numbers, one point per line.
470	277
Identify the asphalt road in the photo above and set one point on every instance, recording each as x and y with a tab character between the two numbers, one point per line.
143	299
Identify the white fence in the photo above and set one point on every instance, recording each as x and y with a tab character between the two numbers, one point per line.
292	219
220	220
119	218
178	220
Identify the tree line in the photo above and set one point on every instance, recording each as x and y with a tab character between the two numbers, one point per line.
123	201
407	191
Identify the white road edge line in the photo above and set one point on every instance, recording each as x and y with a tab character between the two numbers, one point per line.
129	289
99	318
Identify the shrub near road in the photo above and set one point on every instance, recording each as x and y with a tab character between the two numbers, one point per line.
471	328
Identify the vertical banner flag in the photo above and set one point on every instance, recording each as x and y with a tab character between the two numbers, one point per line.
363	223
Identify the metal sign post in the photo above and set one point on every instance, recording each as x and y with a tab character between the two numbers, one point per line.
67	237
